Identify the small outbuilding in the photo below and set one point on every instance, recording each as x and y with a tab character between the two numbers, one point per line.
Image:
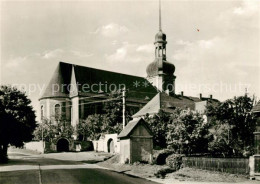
136	142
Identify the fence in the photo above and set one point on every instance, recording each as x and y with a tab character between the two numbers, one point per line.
229	165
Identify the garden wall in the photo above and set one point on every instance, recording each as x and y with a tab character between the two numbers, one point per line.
35	146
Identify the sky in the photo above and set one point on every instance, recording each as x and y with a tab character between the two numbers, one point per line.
214	45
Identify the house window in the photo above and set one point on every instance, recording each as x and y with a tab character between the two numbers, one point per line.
57	111
42	112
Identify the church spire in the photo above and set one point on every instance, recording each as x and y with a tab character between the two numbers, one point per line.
160	39
160	72
160	17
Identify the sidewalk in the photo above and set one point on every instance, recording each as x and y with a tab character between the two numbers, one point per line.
183	176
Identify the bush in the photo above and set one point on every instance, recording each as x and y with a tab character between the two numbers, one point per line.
174	161
159	157
87	146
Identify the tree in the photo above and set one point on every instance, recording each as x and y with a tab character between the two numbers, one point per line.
234	114
47	130
187	132
221	141
17	119
90	128
159	126
108	122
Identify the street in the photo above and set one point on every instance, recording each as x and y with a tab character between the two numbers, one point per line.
24	169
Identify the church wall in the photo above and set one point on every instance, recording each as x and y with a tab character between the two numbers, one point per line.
169	83
156	81
49	108
75	111
163	83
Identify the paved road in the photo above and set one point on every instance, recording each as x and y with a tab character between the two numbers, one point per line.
23	170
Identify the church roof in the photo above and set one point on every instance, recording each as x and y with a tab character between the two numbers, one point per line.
167	103
160	65
256	108
88	80
61	75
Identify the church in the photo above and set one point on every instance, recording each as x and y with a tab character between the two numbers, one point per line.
75	92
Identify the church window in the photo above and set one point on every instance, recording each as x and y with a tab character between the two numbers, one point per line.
42	112
57	111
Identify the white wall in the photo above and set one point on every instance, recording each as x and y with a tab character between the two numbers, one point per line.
101	144
35	146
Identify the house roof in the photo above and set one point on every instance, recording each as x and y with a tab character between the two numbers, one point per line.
152	107
168	103
256	108
130	127
91	80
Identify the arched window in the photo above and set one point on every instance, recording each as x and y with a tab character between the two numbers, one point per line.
42	112
57	111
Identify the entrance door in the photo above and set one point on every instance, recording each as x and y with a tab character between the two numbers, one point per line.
62	145
110	146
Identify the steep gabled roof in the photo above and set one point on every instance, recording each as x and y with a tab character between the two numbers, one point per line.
256	108
88	80
57	86
131	126
152	107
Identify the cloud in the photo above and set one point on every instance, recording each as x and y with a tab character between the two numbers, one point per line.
119	55
114	42
131	53
248	7
52	53
15	62
182	42
111	30
242	17
149	48
81	54
196	50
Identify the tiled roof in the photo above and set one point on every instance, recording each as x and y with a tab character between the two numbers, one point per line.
152	107
130	127
86	76
256	108
61	76
168	103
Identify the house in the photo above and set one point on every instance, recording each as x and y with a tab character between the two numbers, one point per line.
254	161
168	103
136	142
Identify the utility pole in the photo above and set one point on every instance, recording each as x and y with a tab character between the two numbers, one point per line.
124	107
43	145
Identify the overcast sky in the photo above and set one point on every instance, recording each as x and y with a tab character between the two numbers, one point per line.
214	45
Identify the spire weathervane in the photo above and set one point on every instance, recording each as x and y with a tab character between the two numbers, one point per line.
160	18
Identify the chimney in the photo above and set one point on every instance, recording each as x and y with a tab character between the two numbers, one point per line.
210	96
182	93
200	96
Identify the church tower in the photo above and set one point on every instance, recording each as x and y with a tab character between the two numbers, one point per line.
160	73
